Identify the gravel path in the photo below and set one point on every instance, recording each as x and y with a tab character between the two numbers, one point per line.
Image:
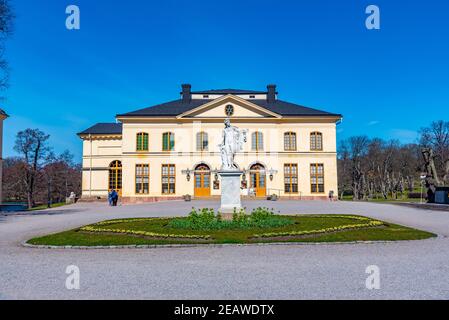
411	269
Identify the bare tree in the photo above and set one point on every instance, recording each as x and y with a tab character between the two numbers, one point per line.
55	181
344	169
377	167
61	177
31	145
6	28
13	186
436	138
357	150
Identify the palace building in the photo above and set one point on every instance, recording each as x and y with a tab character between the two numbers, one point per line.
172	149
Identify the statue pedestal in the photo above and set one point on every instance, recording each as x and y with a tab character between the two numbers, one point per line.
230	193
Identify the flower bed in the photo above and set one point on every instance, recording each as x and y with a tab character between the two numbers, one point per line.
207	219
142	233
261	227
318	231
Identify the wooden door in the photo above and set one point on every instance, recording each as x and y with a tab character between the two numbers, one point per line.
202	181
258	180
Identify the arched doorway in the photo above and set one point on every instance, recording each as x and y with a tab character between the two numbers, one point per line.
115	176
202	181
258	179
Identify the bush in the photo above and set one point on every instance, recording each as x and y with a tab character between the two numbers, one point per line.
196	220
206	219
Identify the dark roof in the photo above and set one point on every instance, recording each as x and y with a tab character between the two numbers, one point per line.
285	108
172	108
3	113
104	128
228	91
177	107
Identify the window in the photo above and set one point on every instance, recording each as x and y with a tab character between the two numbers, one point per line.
317	177
291	178
257	141
229	110
252	97
168	141
168	178
205	96
290	141
316	141
142	178
202	141
115	176
142	141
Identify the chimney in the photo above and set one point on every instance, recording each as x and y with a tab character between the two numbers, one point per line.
186	93
271	94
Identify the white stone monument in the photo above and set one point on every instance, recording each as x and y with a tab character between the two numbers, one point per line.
232	142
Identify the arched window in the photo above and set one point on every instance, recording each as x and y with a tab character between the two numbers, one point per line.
316	141
142	141
202	141
168	141
290	141
115	176
257	141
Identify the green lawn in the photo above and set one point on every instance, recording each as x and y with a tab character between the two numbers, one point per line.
158	232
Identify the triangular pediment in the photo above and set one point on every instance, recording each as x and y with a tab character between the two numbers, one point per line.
241	109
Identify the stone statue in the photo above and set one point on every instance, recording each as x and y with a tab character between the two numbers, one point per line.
232	142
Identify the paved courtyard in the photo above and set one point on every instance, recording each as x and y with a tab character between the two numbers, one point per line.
411	269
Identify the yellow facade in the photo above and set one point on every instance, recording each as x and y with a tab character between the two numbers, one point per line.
267	163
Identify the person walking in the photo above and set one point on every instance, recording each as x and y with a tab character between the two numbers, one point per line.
331	195
114	198
110	197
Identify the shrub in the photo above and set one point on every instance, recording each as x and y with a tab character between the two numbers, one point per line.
239	217
206	219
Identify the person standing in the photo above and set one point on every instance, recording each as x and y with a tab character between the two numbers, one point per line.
114	198
110	197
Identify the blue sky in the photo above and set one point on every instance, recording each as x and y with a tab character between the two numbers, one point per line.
319	53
